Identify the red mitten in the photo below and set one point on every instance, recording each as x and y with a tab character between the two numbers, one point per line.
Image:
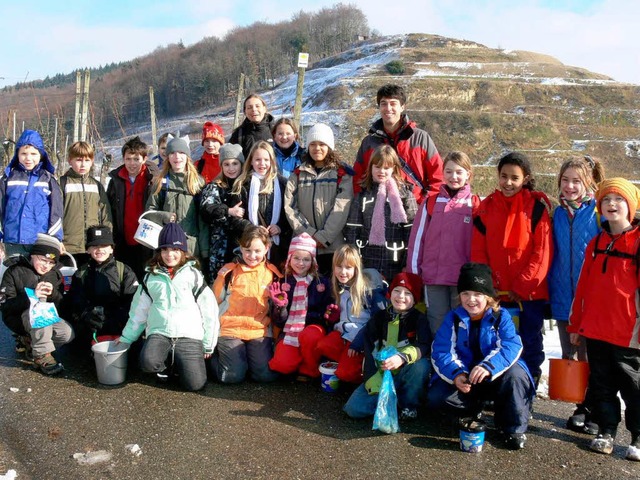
277	295
332	315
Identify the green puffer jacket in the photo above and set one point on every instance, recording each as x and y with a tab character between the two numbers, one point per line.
170	308
318	203
85	204
175	198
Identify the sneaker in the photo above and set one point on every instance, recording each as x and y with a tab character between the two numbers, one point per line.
163	376
515	441
23	345
408	414
633	453
603	443
48	365
20	346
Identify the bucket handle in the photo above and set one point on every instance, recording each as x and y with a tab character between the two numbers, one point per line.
73	260
144	213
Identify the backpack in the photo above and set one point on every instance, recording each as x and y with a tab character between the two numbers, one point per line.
536	215
611	252
196	290
82	273
431	204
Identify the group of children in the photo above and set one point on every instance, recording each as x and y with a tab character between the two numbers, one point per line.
314	260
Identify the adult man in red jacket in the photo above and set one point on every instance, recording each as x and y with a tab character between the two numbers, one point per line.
422	165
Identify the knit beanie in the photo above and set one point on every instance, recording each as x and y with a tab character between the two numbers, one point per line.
321	132
411	282
304	242
622	187
476	277
172	236
47	246
231	151
212	131
177	144
99	235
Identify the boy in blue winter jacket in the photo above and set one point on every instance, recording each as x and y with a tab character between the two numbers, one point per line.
476	356
30	197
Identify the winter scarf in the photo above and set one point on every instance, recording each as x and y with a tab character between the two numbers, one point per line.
254	191
515	232
572	205
386	191
297	312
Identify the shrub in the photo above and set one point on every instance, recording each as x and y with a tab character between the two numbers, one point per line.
395	67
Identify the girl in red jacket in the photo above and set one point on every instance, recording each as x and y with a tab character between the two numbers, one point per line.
605	313
512	235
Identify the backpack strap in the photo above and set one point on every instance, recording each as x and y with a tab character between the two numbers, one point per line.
477	222
536	214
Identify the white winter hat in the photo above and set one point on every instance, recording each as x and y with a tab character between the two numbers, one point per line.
321	132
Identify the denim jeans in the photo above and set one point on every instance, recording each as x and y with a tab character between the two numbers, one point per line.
512	392
233	358
410	382
186	354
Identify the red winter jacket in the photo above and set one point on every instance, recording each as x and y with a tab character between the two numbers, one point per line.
522	269
605	305
413	145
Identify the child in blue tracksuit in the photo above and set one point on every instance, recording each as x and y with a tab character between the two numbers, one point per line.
476	356
30	197
404	327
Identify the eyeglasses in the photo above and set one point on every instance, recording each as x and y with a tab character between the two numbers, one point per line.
45	260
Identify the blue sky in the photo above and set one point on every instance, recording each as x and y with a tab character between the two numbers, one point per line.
56	37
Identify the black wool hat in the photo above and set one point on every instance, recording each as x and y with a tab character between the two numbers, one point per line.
99	235
476	277
172	236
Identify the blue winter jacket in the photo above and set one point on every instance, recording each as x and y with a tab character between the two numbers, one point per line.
31	202
500	345
286	165
570	240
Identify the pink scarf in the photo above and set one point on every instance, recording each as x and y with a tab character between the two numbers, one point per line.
298	311
386	191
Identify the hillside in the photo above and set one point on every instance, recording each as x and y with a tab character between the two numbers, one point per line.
472	98
469	97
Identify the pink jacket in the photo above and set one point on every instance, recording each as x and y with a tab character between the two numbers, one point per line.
440	242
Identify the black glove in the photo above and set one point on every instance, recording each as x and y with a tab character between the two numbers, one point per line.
94	319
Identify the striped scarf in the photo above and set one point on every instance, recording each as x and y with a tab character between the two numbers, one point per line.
572	205
298	311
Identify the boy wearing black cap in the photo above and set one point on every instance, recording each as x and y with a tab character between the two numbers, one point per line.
476	354
38	272
101	291
404	327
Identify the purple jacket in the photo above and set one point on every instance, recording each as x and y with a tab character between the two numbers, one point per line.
440	243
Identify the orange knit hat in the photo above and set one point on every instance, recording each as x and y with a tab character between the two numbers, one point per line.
622	187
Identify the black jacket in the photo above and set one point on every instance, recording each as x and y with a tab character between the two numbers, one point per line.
16	304
117	192
249	133
96	285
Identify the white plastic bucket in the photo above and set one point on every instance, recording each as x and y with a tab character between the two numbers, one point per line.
67	271
329	381
148	232
111	362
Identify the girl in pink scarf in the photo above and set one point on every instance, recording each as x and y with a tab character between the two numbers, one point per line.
381	215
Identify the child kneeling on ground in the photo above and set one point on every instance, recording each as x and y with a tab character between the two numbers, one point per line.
177	311
476	354
402	326
40	272
242	291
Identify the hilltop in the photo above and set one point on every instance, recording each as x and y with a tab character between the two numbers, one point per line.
469	97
